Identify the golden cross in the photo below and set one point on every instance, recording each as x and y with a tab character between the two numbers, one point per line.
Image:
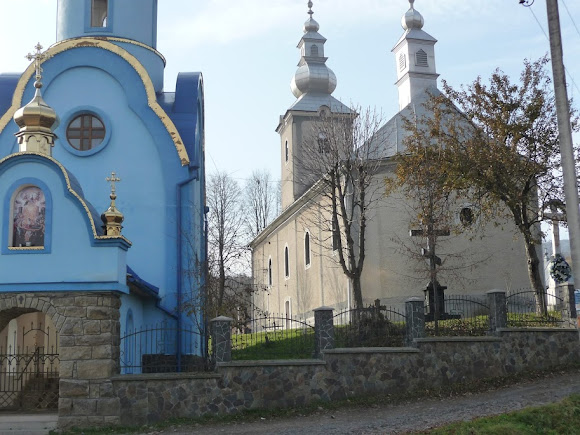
113	179
38	57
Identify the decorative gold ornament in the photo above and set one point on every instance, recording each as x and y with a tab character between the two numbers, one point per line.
37	120
112	218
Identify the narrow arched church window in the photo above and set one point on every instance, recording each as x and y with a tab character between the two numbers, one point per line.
99	12
270	272
314	51
421	58
287	150
307	249
28	217
323	143
286	263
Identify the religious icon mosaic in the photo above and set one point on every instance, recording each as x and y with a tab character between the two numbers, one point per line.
29	217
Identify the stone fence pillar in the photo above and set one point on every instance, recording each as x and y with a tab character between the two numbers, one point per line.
497	310
415	323
323	330
565	292
221	338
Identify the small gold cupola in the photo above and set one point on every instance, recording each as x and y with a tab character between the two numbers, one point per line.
37	120
112	217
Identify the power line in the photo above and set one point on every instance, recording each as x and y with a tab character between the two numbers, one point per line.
572	19
548	38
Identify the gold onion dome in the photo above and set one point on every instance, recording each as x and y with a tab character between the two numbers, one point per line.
412	18
37	120
112	218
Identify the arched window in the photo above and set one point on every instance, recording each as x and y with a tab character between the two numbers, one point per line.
286	263
28	217
421	58
314	51
335	237
323	144
286	150
307	249
99	12
270	272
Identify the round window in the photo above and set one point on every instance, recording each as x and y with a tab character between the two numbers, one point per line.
85	132
466	216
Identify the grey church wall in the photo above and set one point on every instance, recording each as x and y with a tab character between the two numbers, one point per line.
343	373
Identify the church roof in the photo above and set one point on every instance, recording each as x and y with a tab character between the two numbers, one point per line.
392	134
311	102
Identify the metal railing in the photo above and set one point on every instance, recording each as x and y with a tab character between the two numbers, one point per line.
274	337
374	326
461	315
526	308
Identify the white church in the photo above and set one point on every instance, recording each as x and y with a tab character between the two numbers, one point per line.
294	259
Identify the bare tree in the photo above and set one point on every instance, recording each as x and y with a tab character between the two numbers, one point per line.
225	232
260	202
341	153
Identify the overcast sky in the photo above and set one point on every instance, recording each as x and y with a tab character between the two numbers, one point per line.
247	52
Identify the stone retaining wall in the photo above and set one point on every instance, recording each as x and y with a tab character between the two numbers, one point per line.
343	373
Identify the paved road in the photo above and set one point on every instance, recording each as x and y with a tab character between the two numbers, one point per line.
402	418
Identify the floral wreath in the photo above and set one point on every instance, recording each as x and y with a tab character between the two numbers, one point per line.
560	269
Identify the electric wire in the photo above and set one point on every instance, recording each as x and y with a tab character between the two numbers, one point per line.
548	38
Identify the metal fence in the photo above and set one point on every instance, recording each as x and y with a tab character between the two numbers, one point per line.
374	326
274	337
461	315
154	349
525	308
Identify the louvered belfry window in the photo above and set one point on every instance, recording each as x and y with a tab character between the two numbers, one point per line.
402	61
421	58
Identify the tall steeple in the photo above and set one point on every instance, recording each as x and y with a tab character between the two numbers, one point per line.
37	120
415	58
312	76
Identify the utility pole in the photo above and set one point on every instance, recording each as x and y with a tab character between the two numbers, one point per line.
565	130
565	133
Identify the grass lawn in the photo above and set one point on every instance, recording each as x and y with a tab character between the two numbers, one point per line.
555	419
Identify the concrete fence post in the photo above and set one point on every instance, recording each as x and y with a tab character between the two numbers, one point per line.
496	300
221	339
323	330
565	292
415	323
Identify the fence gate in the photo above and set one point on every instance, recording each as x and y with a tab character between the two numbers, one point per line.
29	375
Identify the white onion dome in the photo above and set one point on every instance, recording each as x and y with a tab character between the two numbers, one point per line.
311	25
412	19
37	115
312	74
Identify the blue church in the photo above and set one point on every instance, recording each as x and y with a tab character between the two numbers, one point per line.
102	189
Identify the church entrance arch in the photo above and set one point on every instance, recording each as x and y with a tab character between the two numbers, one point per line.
29	361
65	346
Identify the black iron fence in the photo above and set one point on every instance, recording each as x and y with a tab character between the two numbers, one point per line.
374	326
29	374
274	337
163	348
526	308
461	315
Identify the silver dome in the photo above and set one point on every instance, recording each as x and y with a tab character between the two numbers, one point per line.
412	19
314	77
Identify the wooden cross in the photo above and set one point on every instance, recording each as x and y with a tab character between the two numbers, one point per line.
430	234
113	179
38	57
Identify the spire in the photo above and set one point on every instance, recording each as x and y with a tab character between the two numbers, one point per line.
312	75
112	217
37	120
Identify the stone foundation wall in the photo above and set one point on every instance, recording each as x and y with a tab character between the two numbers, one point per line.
342	373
